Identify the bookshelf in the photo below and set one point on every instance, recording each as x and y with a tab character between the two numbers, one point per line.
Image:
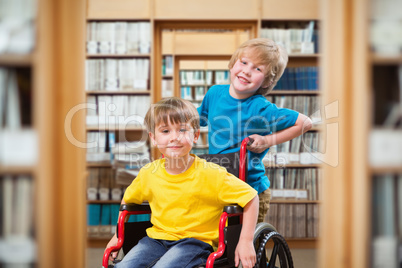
42	175
119	92
385	134
360	70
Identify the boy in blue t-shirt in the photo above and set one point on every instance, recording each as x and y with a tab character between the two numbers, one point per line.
239	110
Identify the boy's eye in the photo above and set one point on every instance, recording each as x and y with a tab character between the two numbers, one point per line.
183	130
165	131
258	69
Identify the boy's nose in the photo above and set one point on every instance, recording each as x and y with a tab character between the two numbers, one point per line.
247	70
175	136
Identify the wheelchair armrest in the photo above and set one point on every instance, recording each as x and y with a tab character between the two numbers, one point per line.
135	207
233	209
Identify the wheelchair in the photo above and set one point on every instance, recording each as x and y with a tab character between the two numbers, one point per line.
266	238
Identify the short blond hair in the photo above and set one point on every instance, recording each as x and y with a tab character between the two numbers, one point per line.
269	54
172	110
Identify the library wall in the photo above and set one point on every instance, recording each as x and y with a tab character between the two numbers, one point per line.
186	54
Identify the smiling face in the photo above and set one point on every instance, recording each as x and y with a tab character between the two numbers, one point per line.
247	76
174	140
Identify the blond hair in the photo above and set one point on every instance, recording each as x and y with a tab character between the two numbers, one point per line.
171	110
269	54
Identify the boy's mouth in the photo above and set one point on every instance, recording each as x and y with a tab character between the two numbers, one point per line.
174	147
243	80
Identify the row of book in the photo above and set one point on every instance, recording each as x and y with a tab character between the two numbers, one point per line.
386	220
167	87
305	149
102	219
196	93
102	148
296	37
299	78
119	37
16	223
18	27
167	65
18	140
204	77
305	104
295	183
117	74
108	183
121	110
294	220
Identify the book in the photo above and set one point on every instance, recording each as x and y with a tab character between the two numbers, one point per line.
105	220
93	219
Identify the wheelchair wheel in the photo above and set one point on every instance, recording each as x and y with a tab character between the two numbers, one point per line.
267	240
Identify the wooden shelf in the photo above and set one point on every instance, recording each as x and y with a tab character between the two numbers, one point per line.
302	243
15	170
118	9
385	170
284	201
120	56
16	60
295	92
98	165
304	55
380	59
103	201
98	242
121	92
292	165
114	127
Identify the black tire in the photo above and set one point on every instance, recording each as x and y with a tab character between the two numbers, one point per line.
280	257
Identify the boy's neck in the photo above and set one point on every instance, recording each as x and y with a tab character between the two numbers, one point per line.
178	165
233	94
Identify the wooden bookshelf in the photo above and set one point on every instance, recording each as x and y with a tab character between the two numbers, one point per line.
192	49
346	78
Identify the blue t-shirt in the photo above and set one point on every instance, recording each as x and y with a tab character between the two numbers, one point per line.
231	120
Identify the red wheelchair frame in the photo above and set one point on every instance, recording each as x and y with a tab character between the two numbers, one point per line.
234	211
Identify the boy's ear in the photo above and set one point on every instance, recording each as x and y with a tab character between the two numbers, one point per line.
152	138
267	83
196	135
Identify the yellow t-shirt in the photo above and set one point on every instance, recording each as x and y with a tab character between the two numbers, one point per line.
187	205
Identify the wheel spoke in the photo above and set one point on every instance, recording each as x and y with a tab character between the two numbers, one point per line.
274	253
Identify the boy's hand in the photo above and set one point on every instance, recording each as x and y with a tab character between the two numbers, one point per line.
259	144
113	243
245	254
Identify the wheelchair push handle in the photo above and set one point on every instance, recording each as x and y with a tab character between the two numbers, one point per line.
243	152
249	141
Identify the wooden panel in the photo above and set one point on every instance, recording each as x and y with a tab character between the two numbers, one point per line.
345	215
212	43
290	9
167	42
204	65
206	9
118	9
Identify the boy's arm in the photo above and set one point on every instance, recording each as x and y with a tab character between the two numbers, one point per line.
114	239
261	143
245	251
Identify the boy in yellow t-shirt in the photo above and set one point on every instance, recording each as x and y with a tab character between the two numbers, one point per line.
186	195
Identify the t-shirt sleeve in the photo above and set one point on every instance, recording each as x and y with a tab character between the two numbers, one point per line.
280	118
135	191
203	110
232	190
